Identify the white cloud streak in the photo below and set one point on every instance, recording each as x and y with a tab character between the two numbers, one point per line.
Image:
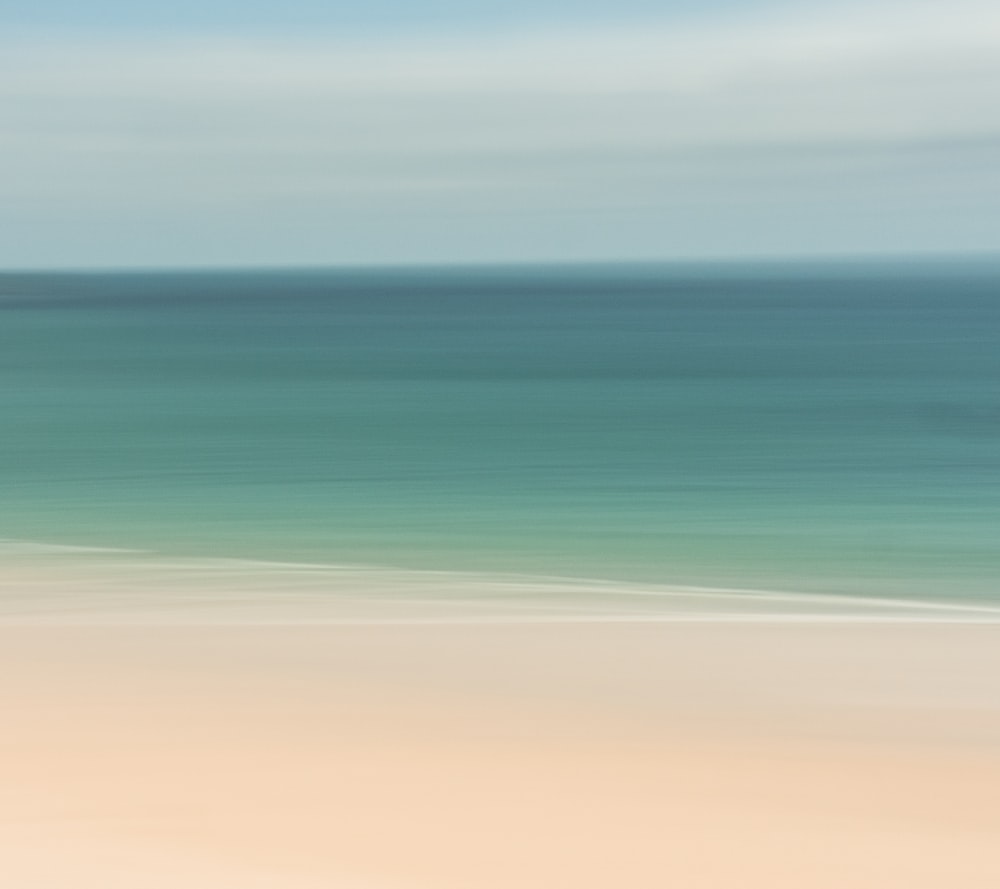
897	105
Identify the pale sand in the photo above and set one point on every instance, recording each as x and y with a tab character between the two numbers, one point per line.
500	757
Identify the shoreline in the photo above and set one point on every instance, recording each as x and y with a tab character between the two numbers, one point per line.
45	583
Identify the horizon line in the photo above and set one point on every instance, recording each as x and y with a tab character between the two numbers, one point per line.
789	259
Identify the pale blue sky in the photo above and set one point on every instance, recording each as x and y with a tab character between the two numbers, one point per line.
224	133
369	16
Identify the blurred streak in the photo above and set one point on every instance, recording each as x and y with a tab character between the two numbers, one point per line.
512	576
799	428
720	757
770	132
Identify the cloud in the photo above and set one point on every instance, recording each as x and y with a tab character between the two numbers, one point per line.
795	114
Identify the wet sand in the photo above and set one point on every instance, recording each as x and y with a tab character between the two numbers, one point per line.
708	756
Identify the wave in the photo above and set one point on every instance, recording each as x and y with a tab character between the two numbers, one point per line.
113	584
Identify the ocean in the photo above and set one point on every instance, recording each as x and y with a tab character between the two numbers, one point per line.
819	428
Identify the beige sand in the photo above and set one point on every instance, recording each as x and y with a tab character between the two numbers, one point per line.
516	757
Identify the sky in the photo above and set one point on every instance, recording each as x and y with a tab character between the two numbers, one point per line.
225	133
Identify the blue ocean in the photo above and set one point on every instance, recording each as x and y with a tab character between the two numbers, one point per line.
825	428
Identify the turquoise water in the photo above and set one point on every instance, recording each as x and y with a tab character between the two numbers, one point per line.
827	428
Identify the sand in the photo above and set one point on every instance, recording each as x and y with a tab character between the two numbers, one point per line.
714	756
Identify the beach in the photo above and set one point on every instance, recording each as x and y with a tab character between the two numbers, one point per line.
410	755
561	577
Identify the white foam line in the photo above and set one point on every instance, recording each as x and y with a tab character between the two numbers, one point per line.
773	596
526	582
31	547
486	586
488	583
502	581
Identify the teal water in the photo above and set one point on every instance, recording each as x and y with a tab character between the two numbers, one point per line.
826	428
